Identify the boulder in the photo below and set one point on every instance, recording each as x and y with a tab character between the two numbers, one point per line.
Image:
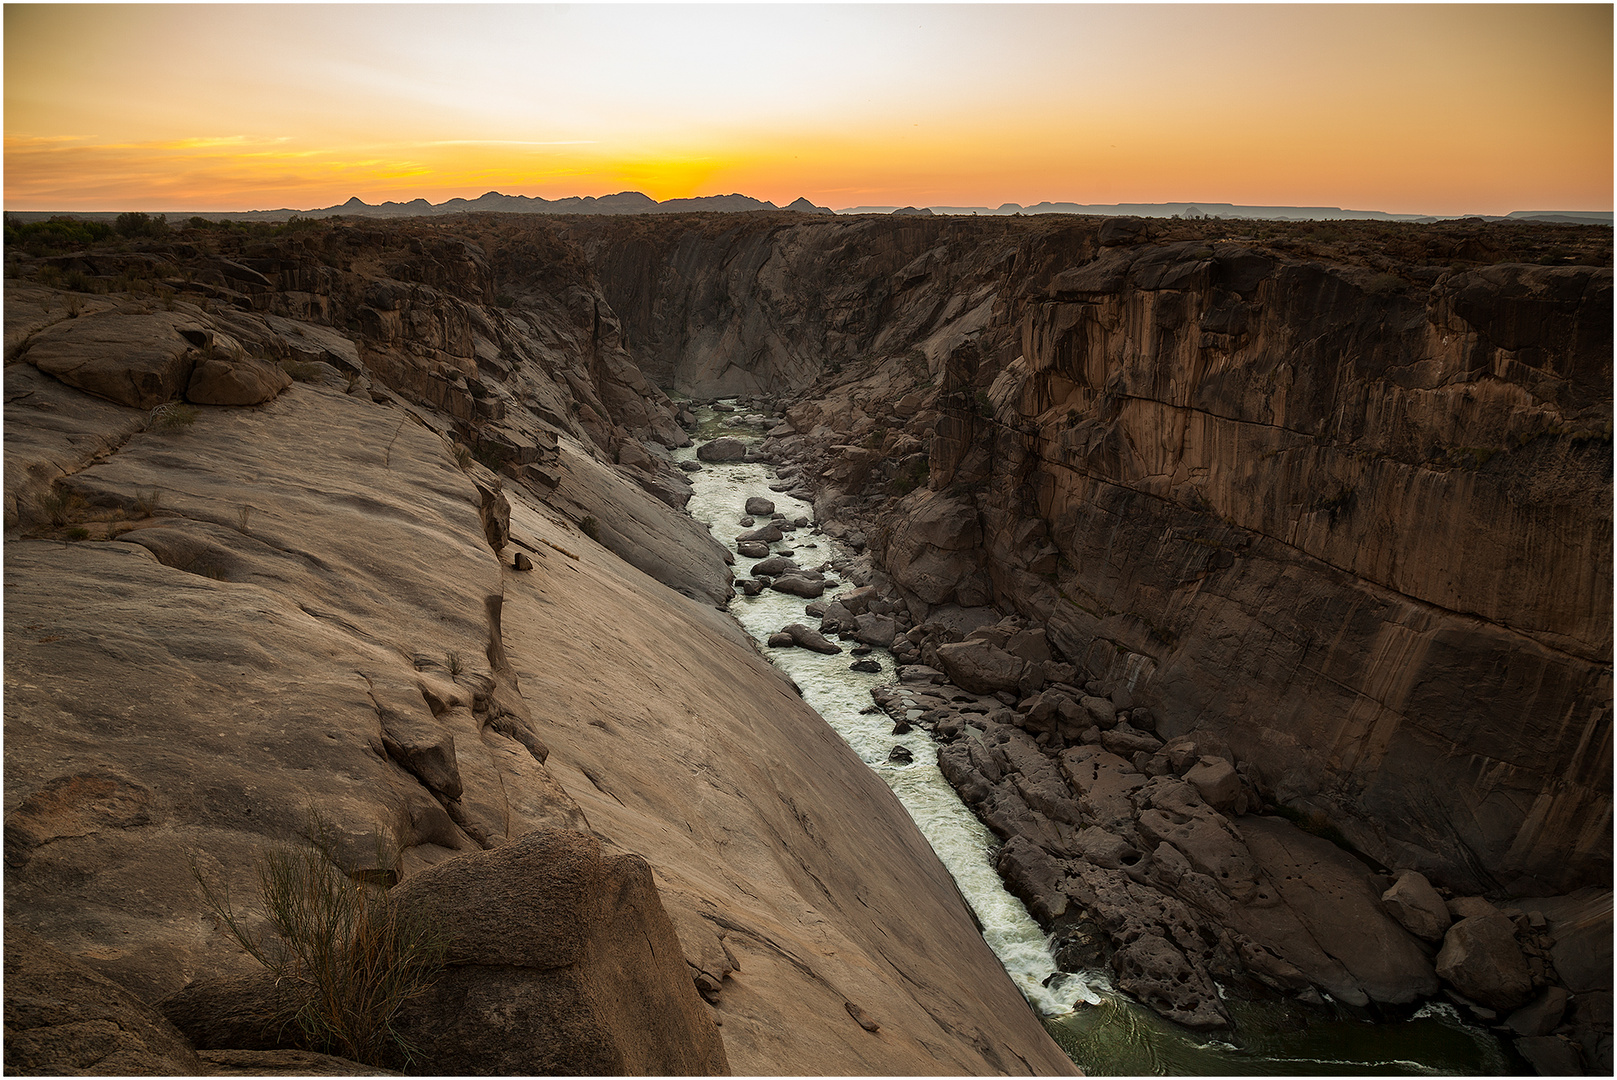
1330	921
1215	778
63	1019
834	618
812	640
1156	972
774	566
235	381
757	505
723	449
1542	1015
1551	1055
769	534
1480	959
560	959
870	667
1124	741
798	585
1416	905
140	360
878	630
780	639
980	667
900	755
858	600
752	549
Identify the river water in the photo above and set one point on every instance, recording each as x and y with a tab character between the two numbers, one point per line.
1104	1031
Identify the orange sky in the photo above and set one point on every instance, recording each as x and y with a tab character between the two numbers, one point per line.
1414	109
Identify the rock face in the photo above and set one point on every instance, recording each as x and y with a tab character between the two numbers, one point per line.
1319	499
64	1019
310	602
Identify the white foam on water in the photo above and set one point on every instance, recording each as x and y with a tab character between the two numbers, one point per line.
965	847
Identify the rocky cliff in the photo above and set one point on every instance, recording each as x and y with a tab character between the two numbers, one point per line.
1340	495
370	521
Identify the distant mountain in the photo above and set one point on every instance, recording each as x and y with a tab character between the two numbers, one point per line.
634	202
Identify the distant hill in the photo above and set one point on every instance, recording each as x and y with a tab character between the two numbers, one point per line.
634	202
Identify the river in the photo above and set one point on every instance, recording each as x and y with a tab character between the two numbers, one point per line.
1104	1031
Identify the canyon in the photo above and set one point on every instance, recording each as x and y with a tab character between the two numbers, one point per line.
1324	510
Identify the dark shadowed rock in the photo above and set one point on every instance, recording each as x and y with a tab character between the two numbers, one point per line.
1415	904
1481	959
752	549
757	505
235	381
63	1019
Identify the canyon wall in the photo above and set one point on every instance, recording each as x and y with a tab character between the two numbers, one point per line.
1341	497
368	523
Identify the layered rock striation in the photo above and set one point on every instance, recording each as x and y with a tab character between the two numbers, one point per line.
1344	502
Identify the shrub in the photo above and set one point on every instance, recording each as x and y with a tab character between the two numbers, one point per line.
138	224
171	416
351	957
591	527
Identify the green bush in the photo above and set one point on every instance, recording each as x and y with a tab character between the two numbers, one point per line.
135	223
350	956
591	527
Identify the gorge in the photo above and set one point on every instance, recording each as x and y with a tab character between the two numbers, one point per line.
1322	509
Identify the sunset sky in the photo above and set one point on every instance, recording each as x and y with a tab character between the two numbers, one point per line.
1439	109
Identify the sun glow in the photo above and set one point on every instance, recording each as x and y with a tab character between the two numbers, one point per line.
1377	107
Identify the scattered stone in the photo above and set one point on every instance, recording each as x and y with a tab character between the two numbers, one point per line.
769	534
781	640
752	586
900	755
752	549
757	504
1468	907
690	466
870	667
522	562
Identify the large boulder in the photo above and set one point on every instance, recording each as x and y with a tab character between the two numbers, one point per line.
758	506
235	381
64	1019
799	584
1416	905
141	360
1480	959
723	449
561	960
980	667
